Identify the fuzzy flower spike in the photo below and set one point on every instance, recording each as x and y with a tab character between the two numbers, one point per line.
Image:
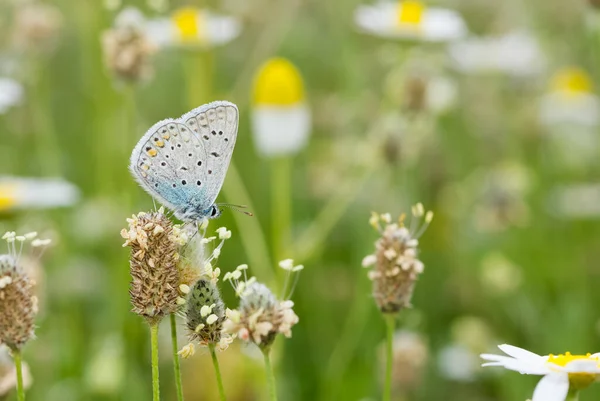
18	304
563	374
155	277
261	316
395	267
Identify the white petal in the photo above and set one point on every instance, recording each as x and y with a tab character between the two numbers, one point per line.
552	387
582	365
520	353
280	130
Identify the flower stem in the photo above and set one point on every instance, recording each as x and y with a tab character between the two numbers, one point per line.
389	353
176	363
19	367
572	396
213	354
154	345
280	204
270	375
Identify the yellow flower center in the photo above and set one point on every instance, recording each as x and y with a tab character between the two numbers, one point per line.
278	82
410	12
578	380
7	196
189	22
572	81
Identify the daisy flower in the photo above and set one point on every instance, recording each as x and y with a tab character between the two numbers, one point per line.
281	120
561	372
35	193
410	19
515	53
193	27
570	100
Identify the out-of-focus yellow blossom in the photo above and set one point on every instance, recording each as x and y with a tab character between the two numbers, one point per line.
35	193
570	100
281	119
193	27
410	19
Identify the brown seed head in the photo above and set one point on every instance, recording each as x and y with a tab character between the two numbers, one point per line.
153	265
127	50
37	27
395	266
18	305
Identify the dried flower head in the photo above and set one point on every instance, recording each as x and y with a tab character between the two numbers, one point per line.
395	266
155	280
18	304
37	26
126	48
8	373
261	316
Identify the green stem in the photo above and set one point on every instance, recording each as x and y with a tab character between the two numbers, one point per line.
314	236
270	375
573	395
251	234
215	361
19	367
176	363
154	345
281	204
389	351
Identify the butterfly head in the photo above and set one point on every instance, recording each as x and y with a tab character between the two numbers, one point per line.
214	212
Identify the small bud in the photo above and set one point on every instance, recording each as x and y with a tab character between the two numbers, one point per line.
205	313
184	289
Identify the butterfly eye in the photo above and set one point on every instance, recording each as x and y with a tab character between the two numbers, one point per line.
214	211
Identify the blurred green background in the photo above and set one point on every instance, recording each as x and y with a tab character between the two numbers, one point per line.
504	262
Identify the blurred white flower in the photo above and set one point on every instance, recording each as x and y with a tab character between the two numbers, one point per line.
281	120
570	100
193	27
516	53
36	193
457	362
410	358
11	94
575	201
410	19
560	372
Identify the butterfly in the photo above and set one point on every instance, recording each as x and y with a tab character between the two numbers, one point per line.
182	163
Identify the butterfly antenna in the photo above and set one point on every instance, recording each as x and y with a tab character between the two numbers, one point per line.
237	208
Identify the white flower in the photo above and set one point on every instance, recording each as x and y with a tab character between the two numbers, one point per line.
11	94
281	120
559	371
516	53
457	362
410	19
570	100
36	193
193	27
576	201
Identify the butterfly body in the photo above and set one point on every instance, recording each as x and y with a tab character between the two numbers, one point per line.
182	162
